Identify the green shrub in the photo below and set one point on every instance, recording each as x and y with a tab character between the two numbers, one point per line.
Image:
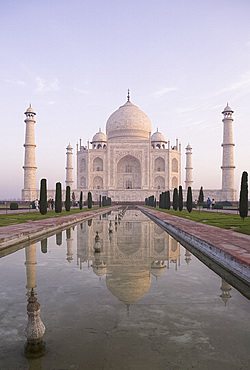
218	206
189	199
80	201
43	197
13	206
67	200
180	198
89	200
58	202
175	199
243	206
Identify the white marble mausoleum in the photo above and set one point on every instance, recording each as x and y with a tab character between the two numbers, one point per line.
128	162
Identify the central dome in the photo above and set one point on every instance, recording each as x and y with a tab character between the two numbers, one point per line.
128	122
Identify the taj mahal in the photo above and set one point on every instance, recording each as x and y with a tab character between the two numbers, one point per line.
129	163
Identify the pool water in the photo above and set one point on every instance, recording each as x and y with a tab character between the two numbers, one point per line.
143	302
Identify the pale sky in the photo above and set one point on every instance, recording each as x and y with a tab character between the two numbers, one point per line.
74	60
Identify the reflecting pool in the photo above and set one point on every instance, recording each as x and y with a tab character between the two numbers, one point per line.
118	292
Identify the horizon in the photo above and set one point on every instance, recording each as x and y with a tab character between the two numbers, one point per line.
74	62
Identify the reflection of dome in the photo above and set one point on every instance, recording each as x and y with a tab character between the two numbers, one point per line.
156	272
127	283
158	230
157	136
128	121
99	136
100	271
157	268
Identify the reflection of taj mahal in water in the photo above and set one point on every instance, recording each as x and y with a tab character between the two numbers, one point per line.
132	250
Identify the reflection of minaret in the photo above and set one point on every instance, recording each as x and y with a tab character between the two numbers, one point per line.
225	288
35	329
69	234
30	264
187	256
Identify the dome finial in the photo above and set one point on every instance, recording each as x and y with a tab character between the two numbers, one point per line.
128	96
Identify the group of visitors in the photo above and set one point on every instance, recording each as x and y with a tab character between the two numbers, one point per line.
210	203
51	204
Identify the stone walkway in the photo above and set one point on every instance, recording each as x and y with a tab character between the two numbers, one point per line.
226	244
31	230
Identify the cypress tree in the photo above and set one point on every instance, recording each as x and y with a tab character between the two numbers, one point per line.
58	200
201	197
73	199
189	199
160	201
180	198
164	200
100	201
80	201
104	201
67	200
167	200
175	199
89	200
243	206
155	202
43	197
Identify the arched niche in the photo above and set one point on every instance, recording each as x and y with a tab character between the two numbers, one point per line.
159	182
174	182
159	165
174	165
174	245
159	245
97	164
129	240
97	182
83	182
129	173
82	165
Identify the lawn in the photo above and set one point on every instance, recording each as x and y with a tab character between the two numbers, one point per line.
18	218
222	220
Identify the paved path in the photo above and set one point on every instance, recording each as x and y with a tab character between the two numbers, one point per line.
230	245
31	230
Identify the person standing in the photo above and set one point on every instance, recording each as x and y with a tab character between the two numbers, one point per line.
208	203
36	204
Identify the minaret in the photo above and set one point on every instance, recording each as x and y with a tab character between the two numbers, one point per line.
29	191
189	168
69	166
228	151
